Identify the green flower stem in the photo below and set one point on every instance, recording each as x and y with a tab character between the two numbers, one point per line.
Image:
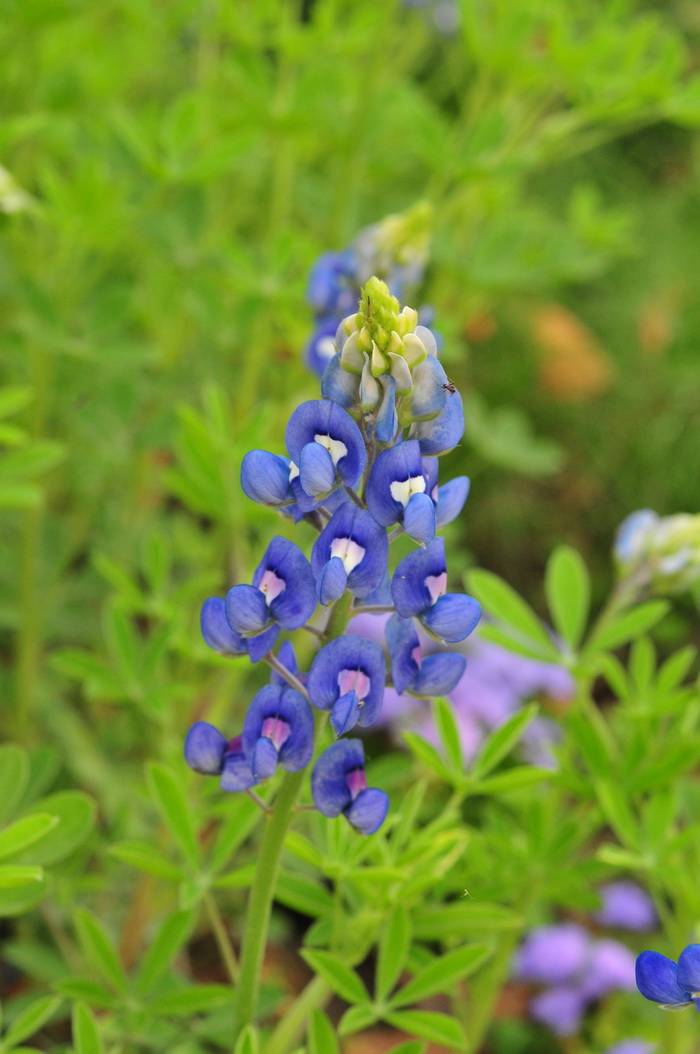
267	868
292	1026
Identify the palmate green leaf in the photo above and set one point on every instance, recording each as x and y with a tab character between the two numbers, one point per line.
76	814
341	978
356	1018
441	974
394	946
429	1025
169	940
14	773
146	858
99	950
446	725
12	876
31	1019
627	626
502	740
568	589
248	1041
322	1035
501	602
173	806
303	895
197	999
86	1037
25	832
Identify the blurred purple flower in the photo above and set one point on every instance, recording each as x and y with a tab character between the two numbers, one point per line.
627	905
553	954
560	1008
632	1046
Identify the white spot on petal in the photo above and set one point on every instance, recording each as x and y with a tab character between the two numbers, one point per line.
271	586
335	447
436	585
349	552
349	680
326	347
293	471
403	490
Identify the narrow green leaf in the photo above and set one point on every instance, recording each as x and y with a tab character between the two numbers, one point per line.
146	858
394	945
617	813
322	1035
14	773
463	919
413	1046
507	639
627	626
25	832
428	1024
16	900
441	974
568	589
303	895
170	938
357	1018
341	978
30	1020
98	949
426	752
11	876
76	813
515	779
248	1042
86	1037
449	734
502	740
303	849
96	995
240	878
675	669
168	795
502	602
195	1000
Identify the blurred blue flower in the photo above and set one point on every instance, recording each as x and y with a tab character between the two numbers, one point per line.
350	553
627	905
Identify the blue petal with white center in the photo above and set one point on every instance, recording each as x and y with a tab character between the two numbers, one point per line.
657	980
328	424
349	664
205	748
396	475
339	785
451	497
353	536
444	432
452	617
285	578
420	579
265	478
283	718
216	631
345	713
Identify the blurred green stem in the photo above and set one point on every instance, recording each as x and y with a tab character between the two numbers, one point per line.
222	938
291	1028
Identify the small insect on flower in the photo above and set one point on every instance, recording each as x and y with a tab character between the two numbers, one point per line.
449	387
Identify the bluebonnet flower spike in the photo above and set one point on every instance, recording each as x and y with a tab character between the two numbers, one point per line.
351	552
339	785
657	980
278	729
419	588
347	677
283	594
430	676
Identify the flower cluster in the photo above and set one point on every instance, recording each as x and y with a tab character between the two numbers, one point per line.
394	249
658	554
359	462
674	985
576	969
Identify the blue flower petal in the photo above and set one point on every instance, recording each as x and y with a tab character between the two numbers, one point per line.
329	788
288	659
345	713
657	979
402	641
316	470
348	653
291	707
381	596
246	610
452	617
205	748
409	591
444	431
438	674
398	464
387	421
450	500
320	347
237	774
265	478
263	761
332	581
419	518
339	385
431	472
368	811
322	417
216	631
429	394
689	968
259	645
295	604
360	527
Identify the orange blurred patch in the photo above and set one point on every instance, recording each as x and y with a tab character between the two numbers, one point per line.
574	367
657	322
479	327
